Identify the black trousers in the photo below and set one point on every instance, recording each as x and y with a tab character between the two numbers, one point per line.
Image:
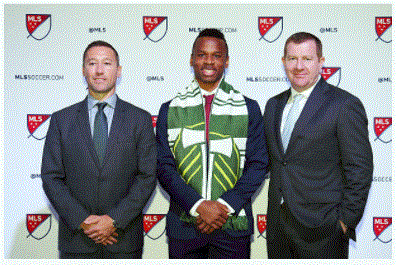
292	240
102	254
218	245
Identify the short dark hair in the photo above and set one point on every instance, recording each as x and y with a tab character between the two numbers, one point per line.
301	37
211	32
100	43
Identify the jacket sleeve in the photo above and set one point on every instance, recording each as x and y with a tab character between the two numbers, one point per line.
356	161
70	210
168	176
256	164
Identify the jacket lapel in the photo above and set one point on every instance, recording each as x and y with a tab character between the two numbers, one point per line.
115	130
278	119
85	130
313	104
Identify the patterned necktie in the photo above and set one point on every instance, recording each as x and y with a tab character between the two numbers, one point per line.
208	103
100	134
291	119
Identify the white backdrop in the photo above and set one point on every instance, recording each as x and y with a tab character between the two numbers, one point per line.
43	47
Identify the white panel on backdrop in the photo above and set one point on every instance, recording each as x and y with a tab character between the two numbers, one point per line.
44	45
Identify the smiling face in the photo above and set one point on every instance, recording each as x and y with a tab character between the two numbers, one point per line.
302	64
209	60
101	71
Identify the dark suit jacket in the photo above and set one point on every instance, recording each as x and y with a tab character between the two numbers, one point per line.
183	197
326	172
77	186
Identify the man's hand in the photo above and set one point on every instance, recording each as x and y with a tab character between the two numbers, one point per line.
100	229
212	215
204	227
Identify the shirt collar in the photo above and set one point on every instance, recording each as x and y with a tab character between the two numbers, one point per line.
111	101
207	93
306	93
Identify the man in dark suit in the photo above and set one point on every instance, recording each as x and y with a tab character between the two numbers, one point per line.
210	169
321	161
99	164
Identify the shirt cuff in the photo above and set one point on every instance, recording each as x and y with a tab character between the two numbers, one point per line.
193	210
230	209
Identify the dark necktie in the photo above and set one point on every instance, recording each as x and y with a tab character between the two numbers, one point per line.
208	103
100	132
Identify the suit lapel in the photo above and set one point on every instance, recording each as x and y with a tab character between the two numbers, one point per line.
278	118
115	130
85	130
313	104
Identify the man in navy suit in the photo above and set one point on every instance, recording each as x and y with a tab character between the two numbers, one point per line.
321	161
99	164
211	158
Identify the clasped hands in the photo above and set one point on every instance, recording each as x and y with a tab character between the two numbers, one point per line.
212	215
100	229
